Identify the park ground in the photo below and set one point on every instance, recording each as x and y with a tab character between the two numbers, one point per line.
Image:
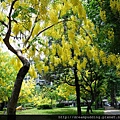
60	113
56	111
67	111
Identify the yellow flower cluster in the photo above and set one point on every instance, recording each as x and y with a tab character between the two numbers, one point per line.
103	15
111	34
56	31
16	28
39	66
31	52
53	15
32	71
81	65
65	90
63	51
16	63
37	28
79	9
4	5
45	68
27	90
1	16
115	5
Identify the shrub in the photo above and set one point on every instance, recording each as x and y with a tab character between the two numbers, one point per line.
29	105
46	106
60	105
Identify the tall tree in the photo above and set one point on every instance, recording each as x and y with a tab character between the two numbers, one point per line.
23	22
106	14
26	26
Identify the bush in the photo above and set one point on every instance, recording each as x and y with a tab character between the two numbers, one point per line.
60	105
46	106
29	105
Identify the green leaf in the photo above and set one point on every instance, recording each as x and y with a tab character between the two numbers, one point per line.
32	10
15	14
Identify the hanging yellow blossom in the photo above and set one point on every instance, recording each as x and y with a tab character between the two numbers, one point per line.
9	1
104	60
71	62
53	15
32	72
16	28
111	34
4	5
37	28
56	61
28	25
17	4
1	16
46	68
103	15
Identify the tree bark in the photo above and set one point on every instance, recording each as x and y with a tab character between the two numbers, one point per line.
11	108
77	92
89	108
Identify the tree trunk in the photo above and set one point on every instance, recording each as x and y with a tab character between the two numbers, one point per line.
2	106
112	94
11	108
89	108
77	92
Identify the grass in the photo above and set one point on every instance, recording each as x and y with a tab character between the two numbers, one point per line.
57	111
54	111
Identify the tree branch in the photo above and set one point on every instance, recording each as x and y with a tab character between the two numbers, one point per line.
6	39
3	23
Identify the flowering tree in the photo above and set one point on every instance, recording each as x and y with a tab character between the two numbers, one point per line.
7	76
107	23
27	28
22	23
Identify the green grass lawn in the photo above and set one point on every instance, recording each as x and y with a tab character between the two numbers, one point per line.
57	111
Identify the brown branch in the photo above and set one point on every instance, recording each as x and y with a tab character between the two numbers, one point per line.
3	23
6	39
50	27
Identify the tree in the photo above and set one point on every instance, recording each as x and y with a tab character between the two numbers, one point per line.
7	76
23	22
108	24
30	23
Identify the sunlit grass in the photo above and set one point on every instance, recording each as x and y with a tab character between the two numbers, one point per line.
56	111
59	111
